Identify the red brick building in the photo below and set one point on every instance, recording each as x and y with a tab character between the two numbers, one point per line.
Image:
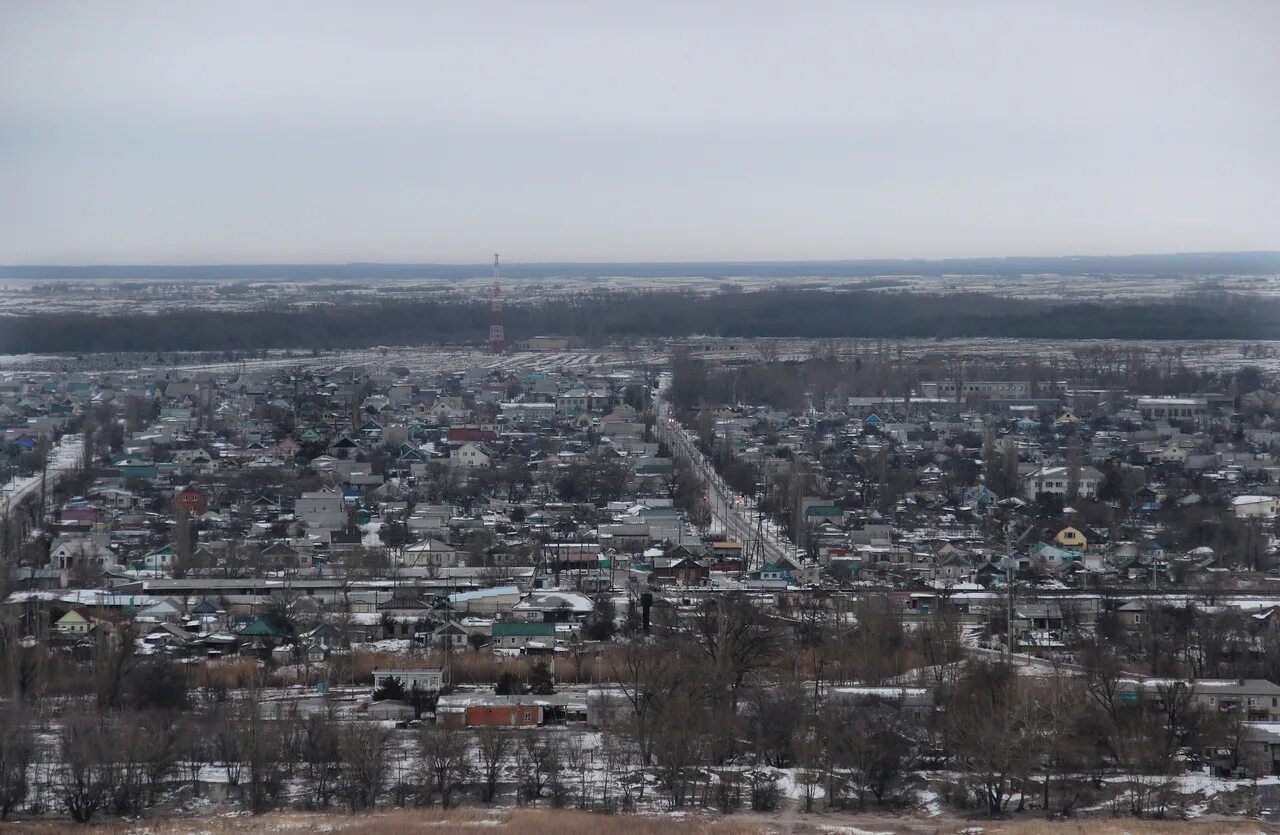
193	501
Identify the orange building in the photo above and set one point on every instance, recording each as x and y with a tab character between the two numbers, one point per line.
506	715
478	710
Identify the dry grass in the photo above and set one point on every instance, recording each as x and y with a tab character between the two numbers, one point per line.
1129	827
850	824
485	668
419	821
225	673
561	822
567	822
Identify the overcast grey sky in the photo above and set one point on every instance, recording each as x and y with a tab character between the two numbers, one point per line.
176	132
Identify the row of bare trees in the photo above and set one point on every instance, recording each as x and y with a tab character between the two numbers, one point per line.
707	709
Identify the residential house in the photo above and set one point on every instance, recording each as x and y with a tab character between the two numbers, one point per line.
89	551
1071	538
1057	481
679	571
1249	507
472	456
426	679
77	621
512	635
431	552
553	607
450	635
322	511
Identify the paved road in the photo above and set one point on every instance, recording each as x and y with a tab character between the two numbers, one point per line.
736	514
64	456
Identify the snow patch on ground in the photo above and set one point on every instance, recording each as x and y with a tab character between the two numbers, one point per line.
371	535
930	802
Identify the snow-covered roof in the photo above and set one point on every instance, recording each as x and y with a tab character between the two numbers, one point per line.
579	603
483	594
1243	500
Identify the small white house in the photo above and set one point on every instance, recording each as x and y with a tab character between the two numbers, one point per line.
69	551
1057	480
473	455
1254	506
427	680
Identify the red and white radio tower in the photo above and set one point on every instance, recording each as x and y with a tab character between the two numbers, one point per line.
497	333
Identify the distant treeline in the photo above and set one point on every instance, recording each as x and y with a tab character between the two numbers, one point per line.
1171	264
601	317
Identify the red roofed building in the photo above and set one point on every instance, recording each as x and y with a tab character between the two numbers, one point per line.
460	434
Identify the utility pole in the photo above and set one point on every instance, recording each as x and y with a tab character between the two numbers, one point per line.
1011	581
44	480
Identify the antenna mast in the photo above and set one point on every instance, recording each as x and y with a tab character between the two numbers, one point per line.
497	331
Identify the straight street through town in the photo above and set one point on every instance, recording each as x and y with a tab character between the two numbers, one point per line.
63	457
736	514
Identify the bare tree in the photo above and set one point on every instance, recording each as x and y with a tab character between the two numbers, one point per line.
538	761
1054	731
988	738
738	640
645	674
679	742
1102	678
158	753
124	757
616	756
1184	718
85	775
492	744
1233	733
196	747
227	747
113	660
1073	467
1009	468
321	759
809	748
1137	738
17	753
777	716
447	759
182	542
362	749
262	751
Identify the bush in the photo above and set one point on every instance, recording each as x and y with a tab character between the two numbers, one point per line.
392	689
602	623
158	685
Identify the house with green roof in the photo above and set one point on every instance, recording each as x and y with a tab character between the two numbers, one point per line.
409	453
818	513
135	467
261	638
157	560
521	635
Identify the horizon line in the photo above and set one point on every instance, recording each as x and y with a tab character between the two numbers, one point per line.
708	262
